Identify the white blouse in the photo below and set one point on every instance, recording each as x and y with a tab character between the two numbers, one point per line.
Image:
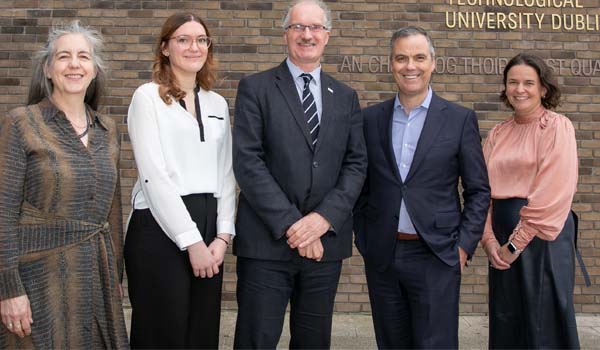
173	162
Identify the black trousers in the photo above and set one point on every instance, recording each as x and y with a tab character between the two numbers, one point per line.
531	304
415	301
264	289
171	309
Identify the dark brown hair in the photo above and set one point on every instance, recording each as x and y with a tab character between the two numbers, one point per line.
162	73
552	97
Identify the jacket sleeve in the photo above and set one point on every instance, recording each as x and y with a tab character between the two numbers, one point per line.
115	218
256	183
337	205
475	183
13	165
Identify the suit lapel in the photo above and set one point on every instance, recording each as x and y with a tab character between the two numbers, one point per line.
384	123
433	124
327	98
286	85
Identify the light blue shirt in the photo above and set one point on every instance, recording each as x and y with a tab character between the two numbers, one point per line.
314	86
406	130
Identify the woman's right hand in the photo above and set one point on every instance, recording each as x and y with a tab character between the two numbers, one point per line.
203	262
16	315
491	249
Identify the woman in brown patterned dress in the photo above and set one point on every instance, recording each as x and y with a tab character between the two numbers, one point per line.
60	215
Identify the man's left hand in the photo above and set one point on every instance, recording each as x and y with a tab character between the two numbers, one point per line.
307	230
463	258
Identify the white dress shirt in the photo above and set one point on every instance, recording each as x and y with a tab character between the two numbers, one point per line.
172	161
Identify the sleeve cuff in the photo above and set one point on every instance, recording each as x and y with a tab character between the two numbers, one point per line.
10	284
521	236
186	239
226	227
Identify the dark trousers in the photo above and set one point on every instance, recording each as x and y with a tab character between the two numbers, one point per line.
264	289
415	301
171	309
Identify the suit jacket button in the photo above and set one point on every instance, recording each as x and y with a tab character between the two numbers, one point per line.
315	164
404	187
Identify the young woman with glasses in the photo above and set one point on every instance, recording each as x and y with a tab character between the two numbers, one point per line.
184	199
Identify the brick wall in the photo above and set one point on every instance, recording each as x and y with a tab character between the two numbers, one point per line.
249	39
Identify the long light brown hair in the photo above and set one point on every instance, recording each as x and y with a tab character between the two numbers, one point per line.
162	72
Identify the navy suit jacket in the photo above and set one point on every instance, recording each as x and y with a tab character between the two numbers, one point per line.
448	152
282	177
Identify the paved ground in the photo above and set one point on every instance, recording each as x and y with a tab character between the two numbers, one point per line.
355	331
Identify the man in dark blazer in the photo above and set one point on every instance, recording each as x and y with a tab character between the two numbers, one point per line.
410	228
300	160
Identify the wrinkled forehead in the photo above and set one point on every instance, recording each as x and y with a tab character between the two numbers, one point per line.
71	43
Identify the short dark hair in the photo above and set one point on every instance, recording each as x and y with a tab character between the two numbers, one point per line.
410	31
552	97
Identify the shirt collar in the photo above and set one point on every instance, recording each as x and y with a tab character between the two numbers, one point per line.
296	71
424	104
50	111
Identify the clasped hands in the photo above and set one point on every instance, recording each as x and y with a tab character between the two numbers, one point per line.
205	260
305	235
499	256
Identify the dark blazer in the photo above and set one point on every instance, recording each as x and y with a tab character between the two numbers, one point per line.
282	177
448	150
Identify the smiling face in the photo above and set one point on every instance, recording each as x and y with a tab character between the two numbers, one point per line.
71	68
412	66
186	61
306	48
524	90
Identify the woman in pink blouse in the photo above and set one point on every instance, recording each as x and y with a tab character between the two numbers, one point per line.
529	233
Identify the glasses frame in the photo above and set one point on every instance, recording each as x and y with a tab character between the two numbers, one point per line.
207	38
313	28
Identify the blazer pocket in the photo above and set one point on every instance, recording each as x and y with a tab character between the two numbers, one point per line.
447	219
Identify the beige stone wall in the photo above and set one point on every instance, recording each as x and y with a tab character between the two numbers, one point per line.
248	39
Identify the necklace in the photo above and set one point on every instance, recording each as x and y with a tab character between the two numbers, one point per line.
87	126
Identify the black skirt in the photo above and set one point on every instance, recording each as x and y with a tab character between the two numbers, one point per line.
531	304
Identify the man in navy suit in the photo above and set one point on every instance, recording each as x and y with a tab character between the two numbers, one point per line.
410	227
300	160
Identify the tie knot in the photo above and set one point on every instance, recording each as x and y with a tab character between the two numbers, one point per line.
307	78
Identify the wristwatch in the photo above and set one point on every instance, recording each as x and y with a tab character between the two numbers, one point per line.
513	249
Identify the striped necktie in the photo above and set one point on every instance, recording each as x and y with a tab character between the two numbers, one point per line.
310	108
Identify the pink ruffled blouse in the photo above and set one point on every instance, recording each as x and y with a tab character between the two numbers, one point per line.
533	157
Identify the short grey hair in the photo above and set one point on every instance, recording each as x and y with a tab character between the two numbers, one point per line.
410	31
42	87
320	3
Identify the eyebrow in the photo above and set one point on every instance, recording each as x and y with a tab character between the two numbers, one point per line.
69	52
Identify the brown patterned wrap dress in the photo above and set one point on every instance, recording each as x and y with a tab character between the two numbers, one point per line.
61	233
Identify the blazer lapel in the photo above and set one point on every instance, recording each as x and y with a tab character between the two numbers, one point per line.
327	98
285	84
384	123
433	124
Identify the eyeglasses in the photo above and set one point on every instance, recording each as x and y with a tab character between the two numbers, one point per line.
185	42
300	28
